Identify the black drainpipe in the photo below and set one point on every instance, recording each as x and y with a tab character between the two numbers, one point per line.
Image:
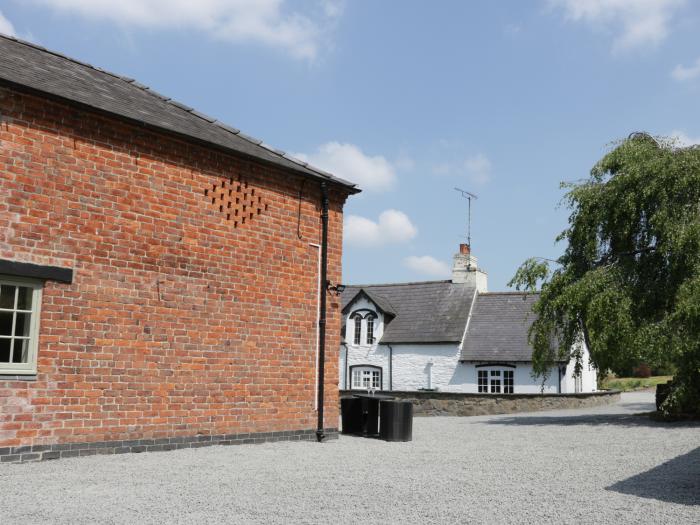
559	384
320	434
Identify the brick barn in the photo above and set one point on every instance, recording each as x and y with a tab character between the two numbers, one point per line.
162	275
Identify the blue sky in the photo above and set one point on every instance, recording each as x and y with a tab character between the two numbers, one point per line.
410	99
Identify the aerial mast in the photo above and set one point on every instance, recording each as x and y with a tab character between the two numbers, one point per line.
469	196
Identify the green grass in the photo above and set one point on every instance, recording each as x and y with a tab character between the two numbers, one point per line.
632	383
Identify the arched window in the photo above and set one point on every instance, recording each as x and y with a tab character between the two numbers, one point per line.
358	328
370	328
366	377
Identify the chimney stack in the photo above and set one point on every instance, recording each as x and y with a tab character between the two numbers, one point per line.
465	269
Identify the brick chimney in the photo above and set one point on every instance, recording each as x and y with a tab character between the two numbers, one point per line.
465	269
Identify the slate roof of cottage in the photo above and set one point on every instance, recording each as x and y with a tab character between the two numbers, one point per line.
498	327
32	68
382	302
425	312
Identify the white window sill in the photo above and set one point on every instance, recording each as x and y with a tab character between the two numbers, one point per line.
14	376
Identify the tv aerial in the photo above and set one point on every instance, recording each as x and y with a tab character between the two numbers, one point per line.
469	196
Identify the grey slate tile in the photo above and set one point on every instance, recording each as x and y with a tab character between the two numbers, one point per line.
498	329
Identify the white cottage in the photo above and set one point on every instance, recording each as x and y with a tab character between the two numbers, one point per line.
450	336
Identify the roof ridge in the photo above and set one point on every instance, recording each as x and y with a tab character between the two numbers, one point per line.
183	107
398	284
537	292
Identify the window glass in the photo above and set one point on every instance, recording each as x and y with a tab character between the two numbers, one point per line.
22	322
24	298
5	345
21	351
6	323
507	381
370	329
483	381
356	378
7	296
358	329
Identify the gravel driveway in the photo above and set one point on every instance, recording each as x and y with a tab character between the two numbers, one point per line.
600	465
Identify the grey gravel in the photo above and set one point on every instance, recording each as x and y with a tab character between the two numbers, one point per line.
602	465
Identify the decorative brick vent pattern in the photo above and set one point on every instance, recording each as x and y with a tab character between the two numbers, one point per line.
236	200
29	453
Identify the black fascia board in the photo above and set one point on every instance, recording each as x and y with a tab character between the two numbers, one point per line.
36	271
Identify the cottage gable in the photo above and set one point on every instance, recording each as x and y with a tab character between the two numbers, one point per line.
423	312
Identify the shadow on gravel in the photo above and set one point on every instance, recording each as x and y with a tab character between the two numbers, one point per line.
625	420
676	481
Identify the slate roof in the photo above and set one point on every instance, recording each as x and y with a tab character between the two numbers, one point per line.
426	312
382	302
498	327
32	68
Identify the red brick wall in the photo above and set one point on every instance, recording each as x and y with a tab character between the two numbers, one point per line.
178	322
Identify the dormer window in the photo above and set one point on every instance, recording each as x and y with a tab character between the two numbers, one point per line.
370	328
358	328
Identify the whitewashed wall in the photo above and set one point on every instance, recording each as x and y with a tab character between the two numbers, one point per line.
424	366
589	375
363	354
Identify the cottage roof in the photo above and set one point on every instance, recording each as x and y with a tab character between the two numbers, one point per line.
425	312
379	300
498	328
32	68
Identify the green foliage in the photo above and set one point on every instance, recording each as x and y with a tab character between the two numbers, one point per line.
627	384
628	282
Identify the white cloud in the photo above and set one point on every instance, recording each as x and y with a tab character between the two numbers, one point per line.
259	21
405	163
349	162
392	227
476	169
444	168
479	169
512	30
681	72
636	23
427	265
6	26
684	140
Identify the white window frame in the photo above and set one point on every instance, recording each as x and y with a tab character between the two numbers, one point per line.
495	379
359	373
508	382
370	327
30	367
357	329
482	384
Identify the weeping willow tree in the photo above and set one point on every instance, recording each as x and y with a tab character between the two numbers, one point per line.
628	283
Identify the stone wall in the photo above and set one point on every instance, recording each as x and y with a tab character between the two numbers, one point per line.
457	404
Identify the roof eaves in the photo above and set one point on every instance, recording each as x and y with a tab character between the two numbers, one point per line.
351	187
